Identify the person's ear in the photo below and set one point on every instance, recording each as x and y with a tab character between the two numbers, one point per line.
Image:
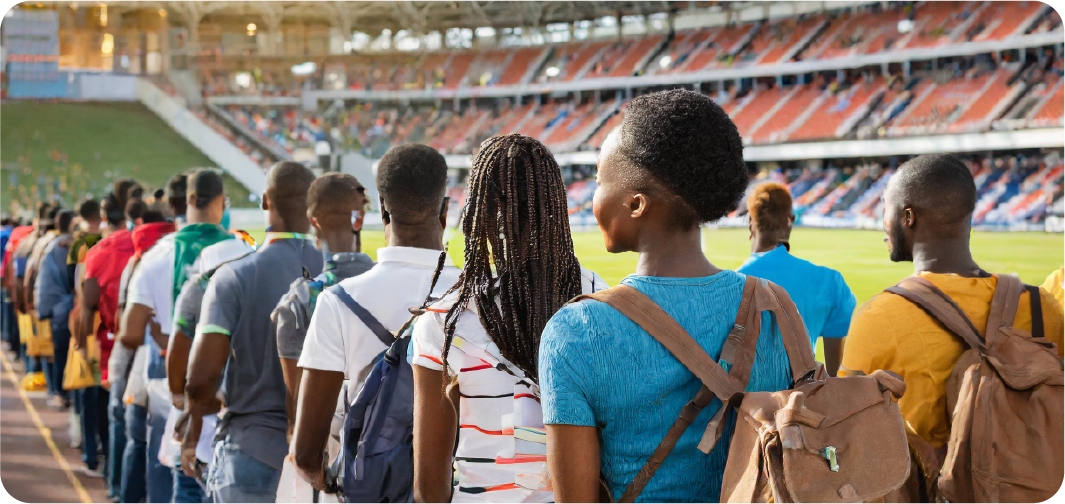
909	218
265	205
638	205
386	218
138	221
314	222
443	213
750	228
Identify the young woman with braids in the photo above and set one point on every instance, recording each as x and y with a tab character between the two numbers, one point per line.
520	269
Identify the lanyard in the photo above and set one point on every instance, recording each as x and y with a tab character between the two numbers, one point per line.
272	236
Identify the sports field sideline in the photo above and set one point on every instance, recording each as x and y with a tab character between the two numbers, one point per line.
860	255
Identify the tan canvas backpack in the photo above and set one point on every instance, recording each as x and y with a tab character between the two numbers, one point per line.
1005	399
824	440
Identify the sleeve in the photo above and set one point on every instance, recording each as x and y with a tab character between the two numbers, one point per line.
428	341
562	382
139	289
871	342
187	309
1053	319
839	318
220	309
43	291
290	331
94	262
324	346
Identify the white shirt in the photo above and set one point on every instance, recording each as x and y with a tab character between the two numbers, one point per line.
501	422
338	340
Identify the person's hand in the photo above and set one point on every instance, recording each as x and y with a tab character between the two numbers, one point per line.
180	425
190	465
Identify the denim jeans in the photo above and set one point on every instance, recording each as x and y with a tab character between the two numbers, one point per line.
60	347
116	413
48	368
135	457
237	477
187	489
160	477
9	325
94	431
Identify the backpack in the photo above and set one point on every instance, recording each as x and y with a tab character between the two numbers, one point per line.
823	440
1005	399
376	463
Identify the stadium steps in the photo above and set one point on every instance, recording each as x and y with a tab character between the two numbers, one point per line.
680	49
763	118
535	66
1048	111
960	30
995	99
583	128
781	51
654	47
1007	19
789	113
585	59
861	111
596	140
927	89
805	41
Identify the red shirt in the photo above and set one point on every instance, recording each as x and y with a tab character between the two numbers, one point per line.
13	241
105	262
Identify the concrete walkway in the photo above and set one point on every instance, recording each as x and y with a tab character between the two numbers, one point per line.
36	461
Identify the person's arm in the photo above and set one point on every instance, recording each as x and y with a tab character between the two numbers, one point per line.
435	424
838	323
292	373
317	402
833	354
177	365
573	461
134	321
290	337
90	301
209	354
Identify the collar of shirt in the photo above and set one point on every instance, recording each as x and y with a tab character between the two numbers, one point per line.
272	236
412	255
779	249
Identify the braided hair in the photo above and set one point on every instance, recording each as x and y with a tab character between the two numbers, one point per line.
516	217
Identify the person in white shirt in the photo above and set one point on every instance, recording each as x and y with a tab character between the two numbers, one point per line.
411	181
520	269
197	247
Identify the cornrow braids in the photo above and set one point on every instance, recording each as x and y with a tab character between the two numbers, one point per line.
516	219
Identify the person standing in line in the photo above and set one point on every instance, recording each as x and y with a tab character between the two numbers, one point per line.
514	240
99	296
200	244
412	182
822	296
336	205
55	299
610	391
235	336
928	207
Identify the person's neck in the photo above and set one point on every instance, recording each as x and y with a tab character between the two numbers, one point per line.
93	228
278	225
426	236
339	242
674	254
766	243
195	217
107	230
949	256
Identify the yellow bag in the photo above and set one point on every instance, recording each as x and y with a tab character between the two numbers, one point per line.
80	373
25	328
44	338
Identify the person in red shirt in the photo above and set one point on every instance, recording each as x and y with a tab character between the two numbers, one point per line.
7	276
99	293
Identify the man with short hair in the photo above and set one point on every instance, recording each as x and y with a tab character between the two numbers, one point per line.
411	181
235	336
822	296
54	299
336	204
199	245
928	207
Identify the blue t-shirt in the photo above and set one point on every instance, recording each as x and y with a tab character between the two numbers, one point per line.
598	368
822	297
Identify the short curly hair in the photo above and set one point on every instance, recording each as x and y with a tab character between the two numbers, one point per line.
689	144
769	207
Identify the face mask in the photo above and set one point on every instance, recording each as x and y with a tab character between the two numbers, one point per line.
357	218
129	225
225	219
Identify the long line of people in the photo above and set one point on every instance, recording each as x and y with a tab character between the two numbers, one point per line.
204	367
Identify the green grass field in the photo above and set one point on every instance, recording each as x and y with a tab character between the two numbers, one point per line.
861	256
100	142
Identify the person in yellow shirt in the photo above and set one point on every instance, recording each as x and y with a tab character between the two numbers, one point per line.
928	210
1055	285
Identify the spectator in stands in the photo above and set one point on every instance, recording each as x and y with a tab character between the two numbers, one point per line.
822	296
472	325
928	209
411	180
675	162
235	336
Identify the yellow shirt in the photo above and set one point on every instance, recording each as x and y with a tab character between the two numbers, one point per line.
891	333
1055	285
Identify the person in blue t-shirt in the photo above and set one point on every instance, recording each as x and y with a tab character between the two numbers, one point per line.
609	390
821	295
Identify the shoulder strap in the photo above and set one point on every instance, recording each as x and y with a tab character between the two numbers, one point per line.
1004	303
364	315
941	307
1036	302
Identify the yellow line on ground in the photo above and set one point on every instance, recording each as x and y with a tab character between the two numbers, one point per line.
45	432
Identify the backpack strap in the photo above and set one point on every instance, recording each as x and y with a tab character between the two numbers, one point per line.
941	307
1003	307
1036	302
364	315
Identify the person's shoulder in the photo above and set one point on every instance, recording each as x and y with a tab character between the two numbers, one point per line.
581	318
883	304
298	292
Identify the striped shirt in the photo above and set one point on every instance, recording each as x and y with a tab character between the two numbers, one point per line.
502	447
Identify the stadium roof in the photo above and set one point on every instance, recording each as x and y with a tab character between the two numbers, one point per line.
419	17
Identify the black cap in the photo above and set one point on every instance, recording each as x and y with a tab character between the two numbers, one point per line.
176	187
205	185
